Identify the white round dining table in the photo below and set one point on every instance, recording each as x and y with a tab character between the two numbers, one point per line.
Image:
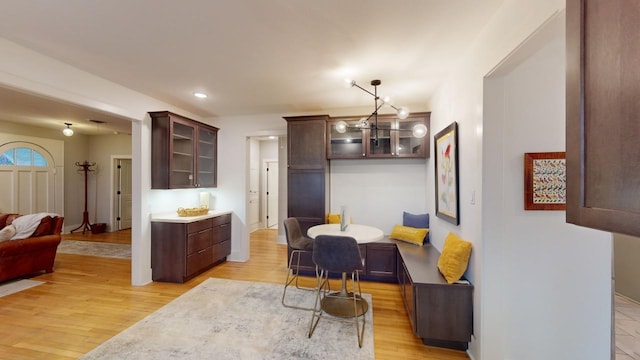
362	233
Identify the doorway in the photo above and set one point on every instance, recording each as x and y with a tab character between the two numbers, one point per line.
122	194
263	178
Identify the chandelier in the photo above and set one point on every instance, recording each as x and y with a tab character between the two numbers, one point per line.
371	122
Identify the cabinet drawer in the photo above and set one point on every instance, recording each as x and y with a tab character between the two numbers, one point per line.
221	233
221	250
198	261
196	226
199	241
222	219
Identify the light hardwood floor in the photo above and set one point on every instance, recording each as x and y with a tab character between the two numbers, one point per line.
88	299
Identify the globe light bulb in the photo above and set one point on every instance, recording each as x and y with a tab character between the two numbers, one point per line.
341	127
403	113
419	130
67	131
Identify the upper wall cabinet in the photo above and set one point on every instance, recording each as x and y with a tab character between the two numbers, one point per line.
183	152
306	138
603	115
350	138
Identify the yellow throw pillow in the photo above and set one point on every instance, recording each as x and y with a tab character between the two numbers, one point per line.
333	218
409	234
454	258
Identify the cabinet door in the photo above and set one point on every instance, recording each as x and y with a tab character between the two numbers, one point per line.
406	290
183	152
182	162
603	121
307	141
444	312
406	144
207	160
306	197
381	260
348	144
379	143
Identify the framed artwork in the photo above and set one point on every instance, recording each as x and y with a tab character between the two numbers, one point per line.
545	181
447	190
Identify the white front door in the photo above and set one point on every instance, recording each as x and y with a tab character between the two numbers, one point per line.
28	179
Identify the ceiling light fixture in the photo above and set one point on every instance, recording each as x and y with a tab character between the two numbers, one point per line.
419	130
68	131
200	95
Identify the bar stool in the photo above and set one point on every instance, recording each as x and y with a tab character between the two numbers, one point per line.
299	245
338	254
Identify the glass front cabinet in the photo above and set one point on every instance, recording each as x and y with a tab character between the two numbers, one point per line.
360	138
183	152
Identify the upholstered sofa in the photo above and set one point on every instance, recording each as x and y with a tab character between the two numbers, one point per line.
32	254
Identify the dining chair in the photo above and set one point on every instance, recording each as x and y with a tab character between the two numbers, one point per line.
299	245
338	254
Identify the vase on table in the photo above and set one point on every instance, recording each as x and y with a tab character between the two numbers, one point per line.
344	218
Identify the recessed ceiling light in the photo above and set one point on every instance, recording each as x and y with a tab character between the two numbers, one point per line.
200	95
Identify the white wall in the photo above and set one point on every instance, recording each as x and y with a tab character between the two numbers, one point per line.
542	287
231	193
547	263
377	191
101	197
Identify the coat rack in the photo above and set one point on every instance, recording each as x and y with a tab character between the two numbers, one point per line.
86	168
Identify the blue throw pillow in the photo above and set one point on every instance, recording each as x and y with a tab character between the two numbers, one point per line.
417	221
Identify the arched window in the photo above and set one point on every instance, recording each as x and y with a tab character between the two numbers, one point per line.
22	156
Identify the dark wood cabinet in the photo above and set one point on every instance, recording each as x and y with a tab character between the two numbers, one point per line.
183	152
392	138
440	313
307	170
182	250
603	115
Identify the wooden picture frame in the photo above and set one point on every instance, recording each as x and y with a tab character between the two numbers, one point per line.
545	181
447	176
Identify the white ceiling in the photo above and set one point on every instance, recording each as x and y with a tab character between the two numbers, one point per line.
249	56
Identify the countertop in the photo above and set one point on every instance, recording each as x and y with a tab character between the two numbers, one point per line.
174	218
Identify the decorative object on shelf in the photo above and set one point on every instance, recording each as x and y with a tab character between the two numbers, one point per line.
205	197
68	131
545	181
447	189
195	211
419	130
86	169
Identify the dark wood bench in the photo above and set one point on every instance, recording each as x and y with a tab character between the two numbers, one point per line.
440	313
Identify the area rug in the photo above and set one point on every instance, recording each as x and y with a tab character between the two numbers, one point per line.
229	319
120	251
14	286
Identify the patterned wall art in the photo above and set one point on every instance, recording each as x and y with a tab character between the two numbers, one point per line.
545	181
447	190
